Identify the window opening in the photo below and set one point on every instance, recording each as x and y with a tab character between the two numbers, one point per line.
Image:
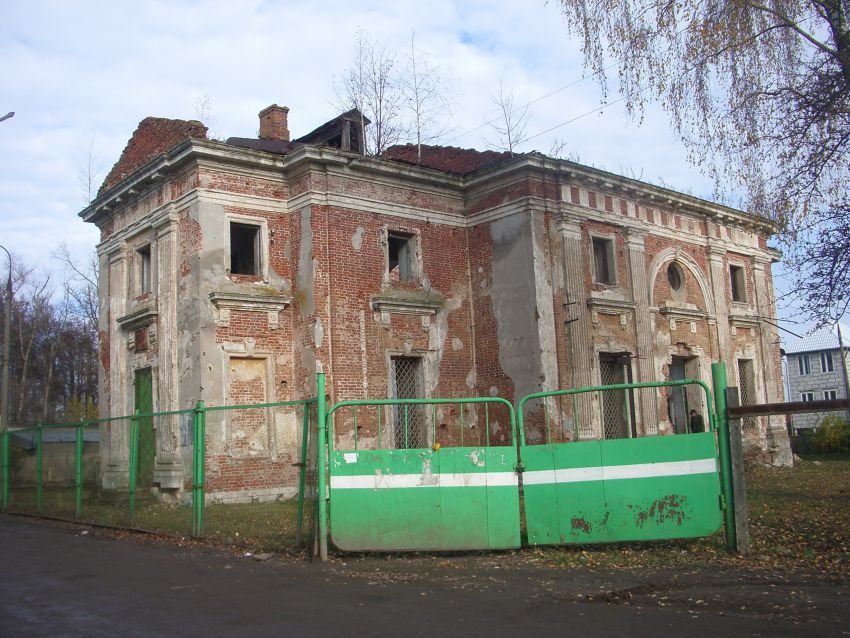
617	405
409	422
244	249
674	276
746	387
736	278
400	256
826	362
804	364
830	395
807	397
603	260
144	255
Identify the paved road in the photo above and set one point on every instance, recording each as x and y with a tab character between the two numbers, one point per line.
58	580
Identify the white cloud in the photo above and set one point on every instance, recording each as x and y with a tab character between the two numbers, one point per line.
76	69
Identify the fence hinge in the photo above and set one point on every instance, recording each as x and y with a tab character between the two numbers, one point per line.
722	503
519	467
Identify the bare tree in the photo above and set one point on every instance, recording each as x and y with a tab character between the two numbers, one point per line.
32	310
509	122
424	92
371	85
80	283
89	168
759	91
202	107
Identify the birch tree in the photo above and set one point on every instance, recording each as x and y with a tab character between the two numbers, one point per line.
759	92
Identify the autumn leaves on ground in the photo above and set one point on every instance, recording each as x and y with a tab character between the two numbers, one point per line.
798	519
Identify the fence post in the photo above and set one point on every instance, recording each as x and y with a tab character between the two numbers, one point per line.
134	460
78	469
39	466
6	470
718	377
302	474
321	483
198	466
739	479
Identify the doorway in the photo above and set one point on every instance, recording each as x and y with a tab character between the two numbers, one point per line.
618	406
409	429
147	445
683	399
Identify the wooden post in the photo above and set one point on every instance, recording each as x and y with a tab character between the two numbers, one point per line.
739	481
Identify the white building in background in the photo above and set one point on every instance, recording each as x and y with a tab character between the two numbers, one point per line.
815	373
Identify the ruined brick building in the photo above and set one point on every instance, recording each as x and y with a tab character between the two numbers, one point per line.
227	269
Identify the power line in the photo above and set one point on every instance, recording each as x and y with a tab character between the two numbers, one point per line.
627	96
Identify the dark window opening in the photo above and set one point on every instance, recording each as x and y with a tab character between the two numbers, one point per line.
736	278
244	249
144	255
603	260
674	276
400	256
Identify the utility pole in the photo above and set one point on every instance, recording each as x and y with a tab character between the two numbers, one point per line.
7	338
843	366
7	334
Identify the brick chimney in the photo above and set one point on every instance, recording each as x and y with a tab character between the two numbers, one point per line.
273	123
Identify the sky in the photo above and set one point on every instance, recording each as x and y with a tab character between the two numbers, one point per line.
80	76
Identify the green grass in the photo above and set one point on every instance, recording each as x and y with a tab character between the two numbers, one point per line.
798	518
266	526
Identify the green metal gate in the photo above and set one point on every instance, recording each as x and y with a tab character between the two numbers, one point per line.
454	494
627	489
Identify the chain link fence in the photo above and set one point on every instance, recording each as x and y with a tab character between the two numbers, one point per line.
259	460
148	472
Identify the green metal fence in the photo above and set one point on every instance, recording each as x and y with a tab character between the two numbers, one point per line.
260	474
170	472
423	474
389	474
623	488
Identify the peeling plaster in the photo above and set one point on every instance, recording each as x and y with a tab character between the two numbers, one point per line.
437	335
306	265
457	344
514	302
357	239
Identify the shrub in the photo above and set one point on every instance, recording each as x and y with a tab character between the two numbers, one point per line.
831	436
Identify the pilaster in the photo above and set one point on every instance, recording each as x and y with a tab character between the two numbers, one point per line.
643	328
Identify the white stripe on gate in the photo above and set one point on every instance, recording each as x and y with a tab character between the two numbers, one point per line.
396	481
620	472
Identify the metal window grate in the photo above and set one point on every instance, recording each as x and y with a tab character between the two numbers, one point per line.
409	423
745	383
614	423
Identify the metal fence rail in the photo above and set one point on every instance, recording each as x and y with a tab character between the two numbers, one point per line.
150	471
260	474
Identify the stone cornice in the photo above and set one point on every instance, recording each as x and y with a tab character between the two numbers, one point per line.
682	312
250	302
205	153
138	318
405	306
